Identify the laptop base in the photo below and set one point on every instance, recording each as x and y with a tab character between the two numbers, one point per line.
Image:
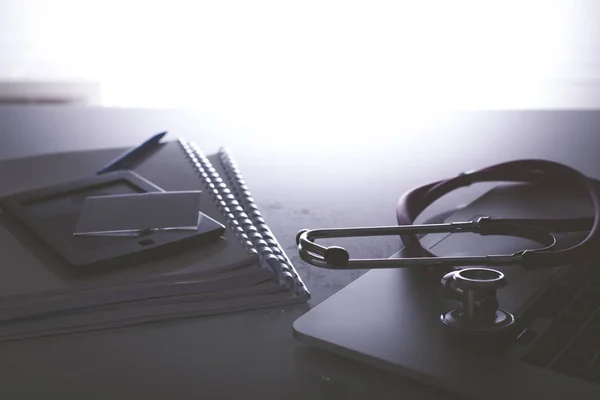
391	318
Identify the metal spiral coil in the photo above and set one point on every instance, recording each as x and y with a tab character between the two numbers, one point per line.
236	216
196	158
242	192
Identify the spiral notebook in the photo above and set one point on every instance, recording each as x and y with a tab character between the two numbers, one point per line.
246	269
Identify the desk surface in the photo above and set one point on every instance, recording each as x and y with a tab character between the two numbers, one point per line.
298	182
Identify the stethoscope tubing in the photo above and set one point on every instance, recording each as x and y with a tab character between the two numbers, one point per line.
414	202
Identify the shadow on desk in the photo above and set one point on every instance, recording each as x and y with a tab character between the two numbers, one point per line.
345	378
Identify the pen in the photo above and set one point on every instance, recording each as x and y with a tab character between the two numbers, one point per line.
131	156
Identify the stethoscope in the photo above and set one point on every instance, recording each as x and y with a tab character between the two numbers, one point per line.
479	314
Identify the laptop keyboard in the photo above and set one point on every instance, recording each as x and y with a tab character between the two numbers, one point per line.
571	345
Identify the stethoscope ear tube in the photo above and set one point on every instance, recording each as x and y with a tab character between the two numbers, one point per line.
413	203
336	257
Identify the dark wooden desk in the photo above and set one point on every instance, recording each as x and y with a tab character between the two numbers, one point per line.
308	181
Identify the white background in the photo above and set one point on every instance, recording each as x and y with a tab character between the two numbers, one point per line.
307	63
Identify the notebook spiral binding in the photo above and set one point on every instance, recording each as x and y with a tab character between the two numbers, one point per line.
237	218
242	193
206	177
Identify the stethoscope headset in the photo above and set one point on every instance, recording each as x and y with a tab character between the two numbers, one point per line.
478	315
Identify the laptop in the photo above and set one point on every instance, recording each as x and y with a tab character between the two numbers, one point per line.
391	318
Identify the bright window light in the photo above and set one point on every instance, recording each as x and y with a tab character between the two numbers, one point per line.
367	62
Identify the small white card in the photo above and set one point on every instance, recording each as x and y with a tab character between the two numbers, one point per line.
132	214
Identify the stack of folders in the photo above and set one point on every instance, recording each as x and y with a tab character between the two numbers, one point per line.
246	268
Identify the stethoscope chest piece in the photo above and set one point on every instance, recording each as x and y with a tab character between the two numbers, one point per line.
478	315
